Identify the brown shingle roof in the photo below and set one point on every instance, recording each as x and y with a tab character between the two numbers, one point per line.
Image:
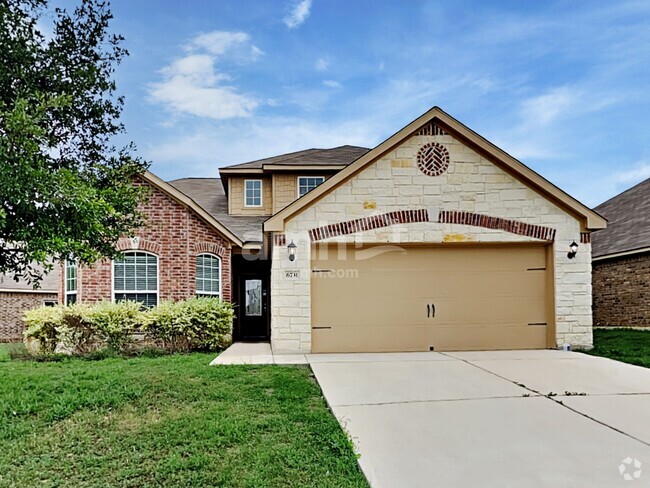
628	226
209	194
342	155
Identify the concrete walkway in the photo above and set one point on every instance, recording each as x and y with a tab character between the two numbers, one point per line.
492	419
255	353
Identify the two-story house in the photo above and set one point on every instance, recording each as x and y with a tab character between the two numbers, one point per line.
205	237
434	240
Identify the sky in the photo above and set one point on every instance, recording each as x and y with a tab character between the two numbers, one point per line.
563	86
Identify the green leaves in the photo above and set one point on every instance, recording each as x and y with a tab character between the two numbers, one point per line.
65	189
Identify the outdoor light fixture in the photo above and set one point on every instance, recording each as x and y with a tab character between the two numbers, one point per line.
292	251
573	250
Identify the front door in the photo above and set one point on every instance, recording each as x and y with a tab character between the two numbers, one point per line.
253	307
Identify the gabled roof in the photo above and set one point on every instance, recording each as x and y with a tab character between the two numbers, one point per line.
188	202
335	158
628	227
590	219
209	194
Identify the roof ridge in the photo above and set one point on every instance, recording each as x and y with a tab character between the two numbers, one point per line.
292	154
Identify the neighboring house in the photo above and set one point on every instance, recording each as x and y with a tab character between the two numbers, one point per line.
621	260
17	297
433	240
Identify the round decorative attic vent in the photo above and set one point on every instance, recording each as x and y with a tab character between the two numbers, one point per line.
433	159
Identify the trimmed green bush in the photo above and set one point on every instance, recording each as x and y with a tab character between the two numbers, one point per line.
198	323
76	333
41	328
115	323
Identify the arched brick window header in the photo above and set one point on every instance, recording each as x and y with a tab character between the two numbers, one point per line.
209	247
138	244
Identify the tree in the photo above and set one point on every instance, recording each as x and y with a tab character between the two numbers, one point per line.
66	190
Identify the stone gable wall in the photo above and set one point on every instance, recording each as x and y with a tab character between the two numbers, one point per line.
472	187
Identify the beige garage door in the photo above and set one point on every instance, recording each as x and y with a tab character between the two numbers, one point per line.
385	298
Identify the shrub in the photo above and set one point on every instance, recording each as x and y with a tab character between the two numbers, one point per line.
196	323
115	323
77	333
106	328
42	326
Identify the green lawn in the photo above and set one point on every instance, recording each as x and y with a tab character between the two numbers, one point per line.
171	421
627	345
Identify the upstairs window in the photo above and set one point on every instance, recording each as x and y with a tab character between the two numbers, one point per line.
135	278
308	183
70	281
253	193
208	275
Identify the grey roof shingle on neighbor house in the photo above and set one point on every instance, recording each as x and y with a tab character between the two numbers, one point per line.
342	155
50	282
628	226
210	195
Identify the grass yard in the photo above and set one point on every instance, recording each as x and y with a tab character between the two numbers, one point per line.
172	421
627	345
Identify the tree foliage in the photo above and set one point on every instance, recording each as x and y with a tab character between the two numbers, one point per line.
65	187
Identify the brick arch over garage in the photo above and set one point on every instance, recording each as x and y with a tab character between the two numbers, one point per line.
424	215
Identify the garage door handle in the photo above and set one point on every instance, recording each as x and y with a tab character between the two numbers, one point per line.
431	310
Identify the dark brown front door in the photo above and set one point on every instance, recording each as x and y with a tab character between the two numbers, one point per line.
253	307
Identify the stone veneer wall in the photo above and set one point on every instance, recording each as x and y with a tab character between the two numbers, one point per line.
622	291
394	182
176	235
12	307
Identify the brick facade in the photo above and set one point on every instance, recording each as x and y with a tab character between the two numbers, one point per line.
13	305
473	200
622	291
176	235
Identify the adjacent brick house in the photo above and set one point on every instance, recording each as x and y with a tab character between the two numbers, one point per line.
434	240
621	264
17	297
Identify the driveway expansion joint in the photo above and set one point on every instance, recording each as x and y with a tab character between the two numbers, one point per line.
553	397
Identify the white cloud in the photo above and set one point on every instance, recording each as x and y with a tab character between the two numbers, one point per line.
321	65
638	173
220	42
545	108
298	14
331	83
192	84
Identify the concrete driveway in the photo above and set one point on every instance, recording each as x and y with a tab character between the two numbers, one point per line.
483	419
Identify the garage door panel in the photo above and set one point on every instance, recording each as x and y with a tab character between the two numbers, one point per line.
484	298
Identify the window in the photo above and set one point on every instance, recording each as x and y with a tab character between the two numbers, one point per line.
253	193
208	275
253	298
308	183
70	281
135	277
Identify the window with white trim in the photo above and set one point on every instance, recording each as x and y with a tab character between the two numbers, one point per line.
308	183
253	193
135	278
70	281
208	275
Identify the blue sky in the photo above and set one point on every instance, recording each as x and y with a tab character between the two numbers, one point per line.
564	86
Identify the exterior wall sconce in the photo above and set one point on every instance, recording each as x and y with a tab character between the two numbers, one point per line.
573	250
292	250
